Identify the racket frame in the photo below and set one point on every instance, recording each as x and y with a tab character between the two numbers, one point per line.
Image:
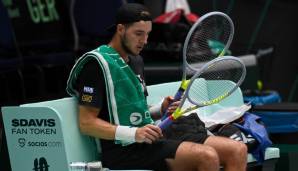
178	112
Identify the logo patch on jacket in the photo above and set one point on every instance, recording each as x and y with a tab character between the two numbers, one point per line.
86	98
88	89
135	118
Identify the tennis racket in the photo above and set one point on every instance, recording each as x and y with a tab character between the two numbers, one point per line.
228	69
210	28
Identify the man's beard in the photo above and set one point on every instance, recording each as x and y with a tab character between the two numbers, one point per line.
125	47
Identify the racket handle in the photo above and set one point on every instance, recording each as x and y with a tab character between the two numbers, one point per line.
179	94
165	115
166	122
177	97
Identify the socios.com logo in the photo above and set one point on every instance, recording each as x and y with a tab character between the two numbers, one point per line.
135	118
22	142
40	164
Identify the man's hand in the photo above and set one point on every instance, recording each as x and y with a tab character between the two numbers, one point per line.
148	134
168	105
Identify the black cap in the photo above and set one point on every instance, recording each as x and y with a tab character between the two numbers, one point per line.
130	13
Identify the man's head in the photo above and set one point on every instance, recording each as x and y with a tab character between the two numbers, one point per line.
133	24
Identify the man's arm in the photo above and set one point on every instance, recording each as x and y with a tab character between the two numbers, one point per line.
91	125
91	88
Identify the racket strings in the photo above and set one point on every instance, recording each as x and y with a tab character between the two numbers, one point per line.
208	39
222	77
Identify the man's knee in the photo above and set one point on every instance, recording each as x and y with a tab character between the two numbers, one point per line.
209	153
200	152
192	156
242	148
239	149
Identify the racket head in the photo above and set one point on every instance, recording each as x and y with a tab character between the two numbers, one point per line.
222	75
212	29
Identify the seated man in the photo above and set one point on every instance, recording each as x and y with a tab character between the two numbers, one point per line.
113	108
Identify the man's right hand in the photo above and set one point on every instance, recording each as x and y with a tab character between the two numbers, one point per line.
148	134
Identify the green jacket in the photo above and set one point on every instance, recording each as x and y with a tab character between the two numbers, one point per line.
126	101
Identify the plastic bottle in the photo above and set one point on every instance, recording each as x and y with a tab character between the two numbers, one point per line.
78	166
86	166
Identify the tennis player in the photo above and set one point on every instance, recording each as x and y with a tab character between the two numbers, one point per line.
109	85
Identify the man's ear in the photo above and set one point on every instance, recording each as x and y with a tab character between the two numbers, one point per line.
120	28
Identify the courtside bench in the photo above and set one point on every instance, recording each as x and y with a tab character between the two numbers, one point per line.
46	134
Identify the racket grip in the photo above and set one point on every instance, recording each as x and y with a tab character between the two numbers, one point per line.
165	123
177	97
179	94
165	115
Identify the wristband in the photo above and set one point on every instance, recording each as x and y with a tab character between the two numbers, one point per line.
125	133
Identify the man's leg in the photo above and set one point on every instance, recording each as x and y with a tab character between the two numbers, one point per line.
232	154
193	157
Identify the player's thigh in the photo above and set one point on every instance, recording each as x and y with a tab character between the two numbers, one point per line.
190	155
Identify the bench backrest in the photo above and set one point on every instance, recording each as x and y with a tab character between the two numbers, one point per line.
46	134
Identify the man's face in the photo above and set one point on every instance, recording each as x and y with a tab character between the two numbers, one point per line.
134	37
